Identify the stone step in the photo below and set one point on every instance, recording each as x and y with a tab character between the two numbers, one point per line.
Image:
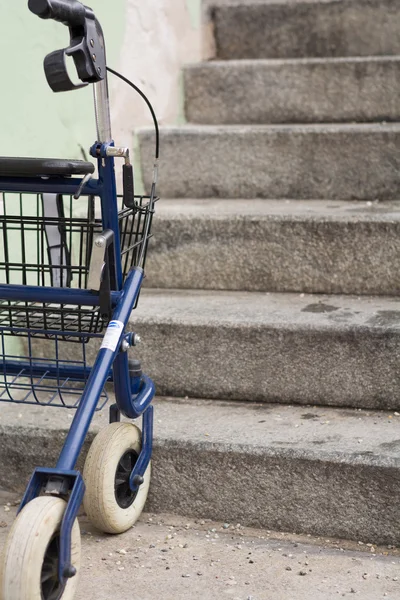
286	348
333	161
293	91
327	472
285	29
270	245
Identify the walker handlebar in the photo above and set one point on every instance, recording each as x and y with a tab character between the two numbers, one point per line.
69	12
87	46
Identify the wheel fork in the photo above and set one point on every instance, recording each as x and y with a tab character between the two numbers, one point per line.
70	485
136	478
59	483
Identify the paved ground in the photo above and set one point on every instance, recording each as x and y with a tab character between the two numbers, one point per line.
174	559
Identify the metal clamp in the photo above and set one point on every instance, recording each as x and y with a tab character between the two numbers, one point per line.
119	153
127	174
102	273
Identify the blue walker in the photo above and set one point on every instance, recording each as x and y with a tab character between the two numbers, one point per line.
72	259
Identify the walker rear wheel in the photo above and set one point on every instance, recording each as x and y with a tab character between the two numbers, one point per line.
29	565
109	502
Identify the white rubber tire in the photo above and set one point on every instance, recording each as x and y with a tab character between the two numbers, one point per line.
25	548
100	503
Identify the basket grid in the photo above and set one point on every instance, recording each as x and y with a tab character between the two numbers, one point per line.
40	248
27	377
135	233
47	240
33	237
43	319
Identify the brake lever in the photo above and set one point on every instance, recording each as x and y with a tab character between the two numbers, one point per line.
87	48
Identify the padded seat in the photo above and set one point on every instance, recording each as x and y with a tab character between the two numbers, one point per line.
43	167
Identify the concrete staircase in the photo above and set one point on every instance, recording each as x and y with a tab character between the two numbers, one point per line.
275	268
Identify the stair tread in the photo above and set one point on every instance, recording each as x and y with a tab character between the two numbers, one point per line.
241	208
191	128
304	90
243	309
315	246
330	161
329	472
301	61
305	28
311	432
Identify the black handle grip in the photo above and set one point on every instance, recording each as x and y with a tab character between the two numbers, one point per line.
87	46
69	12
128	186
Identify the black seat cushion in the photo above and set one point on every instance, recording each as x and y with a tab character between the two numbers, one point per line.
43	167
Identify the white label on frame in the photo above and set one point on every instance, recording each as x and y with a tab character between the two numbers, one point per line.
112	335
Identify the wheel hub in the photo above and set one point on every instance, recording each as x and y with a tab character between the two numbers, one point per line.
51	586
124	496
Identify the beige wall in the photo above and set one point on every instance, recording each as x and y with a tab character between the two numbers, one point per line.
160	37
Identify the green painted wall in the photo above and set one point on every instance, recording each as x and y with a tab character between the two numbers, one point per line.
33	120
195	12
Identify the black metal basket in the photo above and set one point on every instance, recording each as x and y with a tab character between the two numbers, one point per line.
29	376
135	232
47	240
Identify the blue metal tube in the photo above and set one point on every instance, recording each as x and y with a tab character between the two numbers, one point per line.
32	293
145	395
71	512
147	448
122	385
109	207
98	377
129	295
132	407
84	414
53	185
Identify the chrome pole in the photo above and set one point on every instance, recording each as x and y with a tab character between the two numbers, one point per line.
102	111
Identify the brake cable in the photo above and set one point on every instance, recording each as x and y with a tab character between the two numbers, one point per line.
143	95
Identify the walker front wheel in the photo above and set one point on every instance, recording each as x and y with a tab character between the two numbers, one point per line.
109	502
29	569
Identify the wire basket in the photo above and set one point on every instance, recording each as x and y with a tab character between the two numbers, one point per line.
28	376
135	233
47	240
